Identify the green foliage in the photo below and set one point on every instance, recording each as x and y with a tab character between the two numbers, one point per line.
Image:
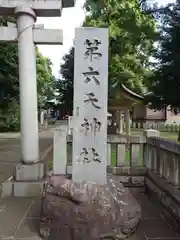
9	86
10	117
65	84
164	84
45	79
131	36
9	83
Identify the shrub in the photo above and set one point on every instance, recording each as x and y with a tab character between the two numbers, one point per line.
10	119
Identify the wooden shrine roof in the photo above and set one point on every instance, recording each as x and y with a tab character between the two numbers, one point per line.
124	98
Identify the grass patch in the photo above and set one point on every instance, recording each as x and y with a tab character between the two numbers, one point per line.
50	165
172	136
113	155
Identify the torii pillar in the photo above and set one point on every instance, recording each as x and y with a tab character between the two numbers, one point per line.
26	18
28	177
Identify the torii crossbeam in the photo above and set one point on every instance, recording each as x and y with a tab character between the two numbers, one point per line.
42	8
40	36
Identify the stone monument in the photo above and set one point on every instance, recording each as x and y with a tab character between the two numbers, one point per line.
90	105
91	205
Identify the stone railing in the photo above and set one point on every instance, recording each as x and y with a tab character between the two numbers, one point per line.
130	156
157	126
162	159
125	151
125	157
122	151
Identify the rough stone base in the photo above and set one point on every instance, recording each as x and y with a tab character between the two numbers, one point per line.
22	189
87	210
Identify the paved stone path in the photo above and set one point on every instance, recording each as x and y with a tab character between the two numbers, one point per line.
19	217
152	226
10	152
19	220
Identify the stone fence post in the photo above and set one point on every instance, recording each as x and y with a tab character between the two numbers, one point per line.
147	156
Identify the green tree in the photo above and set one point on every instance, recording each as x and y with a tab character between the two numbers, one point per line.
164	84
9	82
131	37
45	79
9	86
65	82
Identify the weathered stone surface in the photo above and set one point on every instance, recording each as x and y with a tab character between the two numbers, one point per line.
137	180
170	207
75	211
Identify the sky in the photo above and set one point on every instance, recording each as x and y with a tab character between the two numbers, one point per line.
69	20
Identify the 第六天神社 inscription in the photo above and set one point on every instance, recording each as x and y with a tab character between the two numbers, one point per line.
90	105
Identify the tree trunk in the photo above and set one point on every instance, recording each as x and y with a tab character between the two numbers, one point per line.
178	135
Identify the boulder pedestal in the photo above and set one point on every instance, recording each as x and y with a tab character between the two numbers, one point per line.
75	211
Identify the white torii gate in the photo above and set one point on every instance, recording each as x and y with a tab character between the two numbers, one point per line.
27	34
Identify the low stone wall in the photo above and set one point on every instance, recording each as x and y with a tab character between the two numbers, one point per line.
163	176
158	126
166	196
129	176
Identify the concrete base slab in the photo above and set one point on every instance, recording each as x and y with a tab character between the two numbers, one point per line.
27	172
28	189
22	188
6	188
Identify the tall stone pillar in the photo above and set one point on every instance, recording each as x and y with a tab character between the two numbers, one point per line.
29	174
127	121
26	18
